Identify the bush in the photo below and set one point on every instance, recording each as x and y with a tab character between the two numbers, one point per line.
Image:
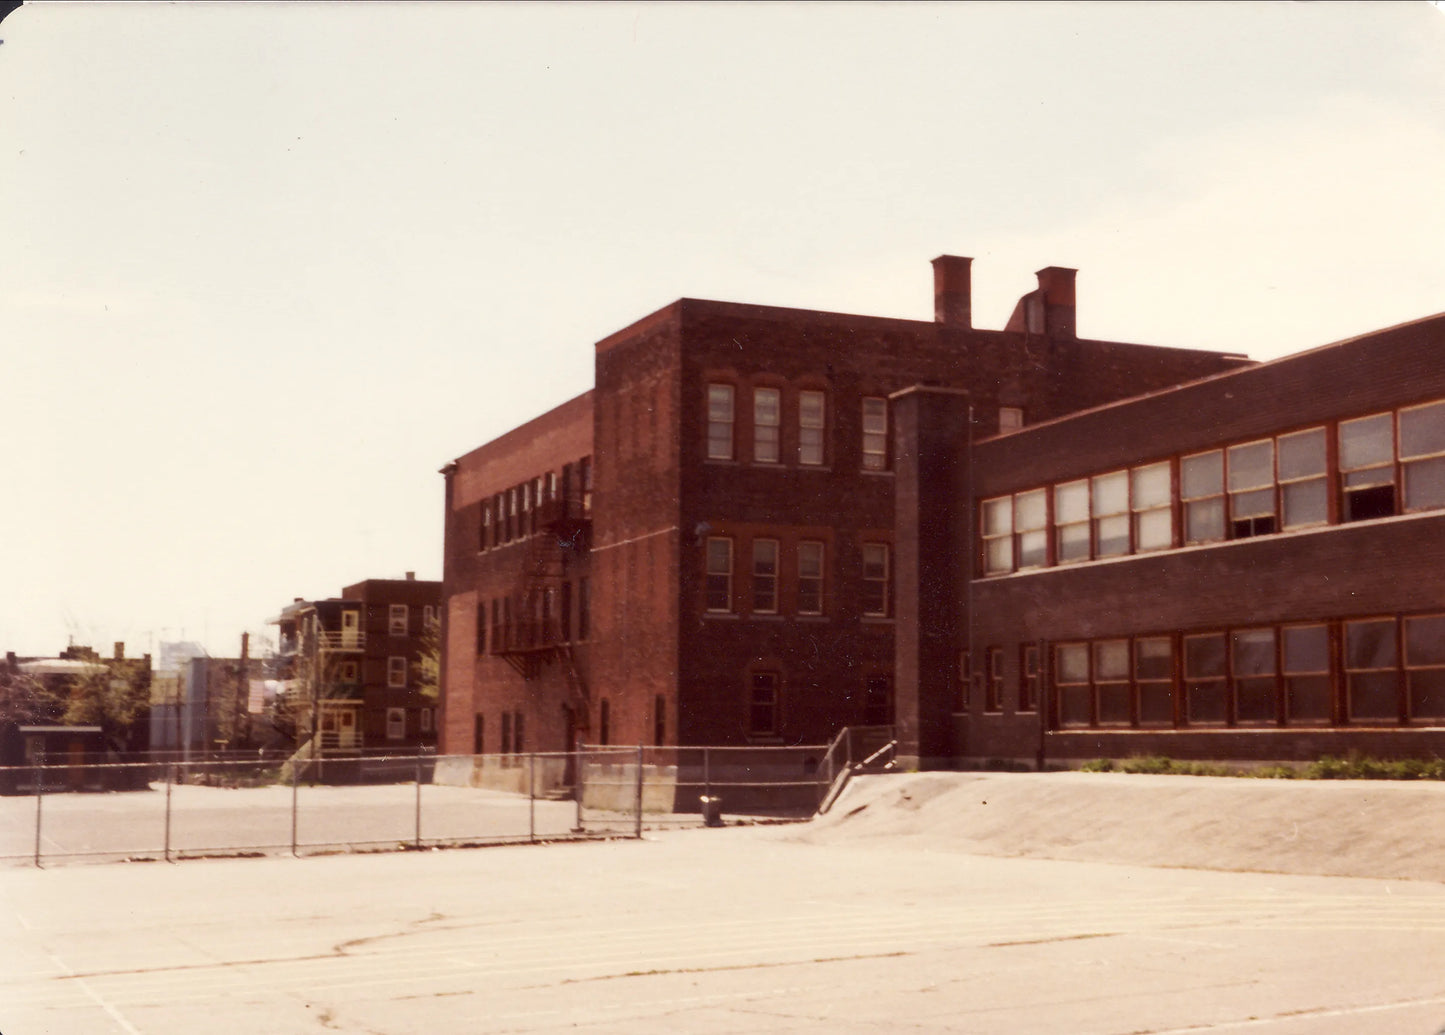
1326	768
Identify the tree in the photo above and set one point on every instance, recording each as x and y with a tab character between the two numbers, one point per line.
426	671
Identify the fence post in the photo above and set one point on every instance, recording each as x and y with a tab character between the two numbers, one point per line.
578	764
170	771
416	843
706	773
39	799
638	828
532	796
295	769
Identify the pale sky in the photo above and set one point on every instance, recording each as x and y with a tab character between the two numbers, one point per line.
265	268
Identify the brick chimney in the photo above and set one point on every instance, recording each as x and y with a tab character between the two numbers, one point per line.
952	291
119	650
411	576
1056	286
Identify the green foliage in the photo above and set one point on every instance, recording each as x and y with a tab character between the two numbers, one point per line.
1327	768
427	669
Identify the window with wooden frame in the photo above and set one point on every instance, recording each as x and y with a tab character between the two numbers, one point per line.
1010	419
398	618
1206	680
1201	489
1154	680
1251	489
1253	664
1372	675
1425	667
993	680
998	545
876	576
718	578
1305	660
1028	677
1031	529
481	627
1113	696
767	424
1367	467
765	576
1072	696
1422	456
812	426
484	538
763	704
659	720
810	578
396	671
1304	488
395	723
1071	522
878	699
719	422
1151	502
875	434
1109	511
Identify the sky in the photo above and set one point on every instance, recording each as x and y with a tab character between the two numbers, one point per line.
266	268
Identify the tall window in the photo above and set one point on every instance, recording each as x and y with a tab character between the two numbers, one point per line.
1303	478
810	578
878	700
875	580
1114	700
479	729
485	538
1154	677
763	704
719	422
1371	670
481	627
1201	487
397	619
767	415
993	686
659	720
604	722
1206	687
1110	510
1422	456
998	525
765	576
1071	521
1425	666
812	419
1031	529
1028	677
506	733
1256	681
719	576
1305	652
1251	489
396	671
875	434
395	723
1153	514
1071	682
1367	467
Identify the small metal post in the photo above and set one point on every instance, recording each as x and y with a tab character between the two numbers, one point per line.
170	769
531	796
417	841
638	826
294	771
39	799
706	775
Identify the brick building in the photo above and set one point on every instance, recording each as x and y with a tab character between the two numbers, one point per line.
351	666
1249	566
704	549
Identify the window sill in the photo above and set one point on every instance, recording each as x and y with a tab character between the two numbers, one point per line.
876	620
875	474
765	617
721	616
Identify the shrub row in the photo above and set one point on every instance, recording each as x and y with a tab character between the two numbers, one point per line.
1327	768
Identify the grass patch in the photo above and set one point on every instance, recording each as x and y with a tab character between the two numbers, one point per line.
1327	768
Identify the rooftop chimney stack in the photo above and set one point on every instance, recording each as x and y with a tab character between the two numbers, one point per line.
1056	285
119	650
411	576
953	291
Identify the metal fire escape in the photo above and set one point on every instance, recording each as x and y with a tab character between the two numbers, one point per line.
540	633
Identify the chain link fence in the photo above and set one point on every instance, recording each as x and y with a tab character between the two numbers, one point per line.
174	810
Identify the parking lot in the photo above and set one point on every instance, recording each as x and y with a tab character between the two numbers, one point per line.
741	929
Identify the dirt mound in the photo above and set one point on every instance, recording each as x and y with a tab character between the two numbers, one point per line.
1353	828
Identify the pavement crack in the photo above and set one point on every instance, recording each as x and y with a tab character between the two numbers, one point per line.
661	971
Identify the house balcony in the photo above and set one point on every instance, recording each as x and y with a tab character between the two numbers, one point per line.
341	640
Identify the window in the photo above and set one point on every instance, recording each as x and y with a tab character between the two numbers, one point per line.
878	700
1305	653
1256	684
347	672
485	539
1031	529
479	729
659	720
763	704
518	742
1303	478
765	576
993	685
1367	468
998	555
398	617
506	733
767	414
1010	419
875	580
1110	511
604	722
425	716
1371	676
875	434
812	421
1150	496
1071	521
1206	689
395	723
1201	487
719	578
1251	489
481	627
1028	677
1425	666
1071	682
810	578
396	671
965	680
719	422
1114	703
1422	456
1154	679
